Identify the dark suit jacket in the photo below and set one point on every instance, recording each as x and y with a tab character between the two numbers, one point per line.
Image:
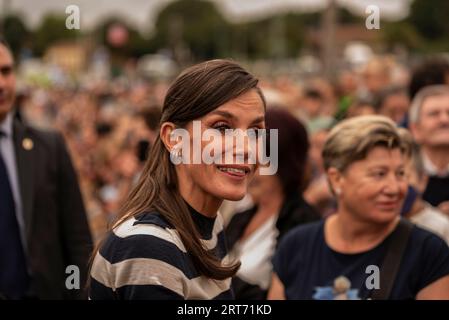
56	227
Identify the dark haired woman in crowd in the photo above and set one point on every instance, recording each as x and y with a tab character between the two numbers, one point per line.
169	243
279	206
365	250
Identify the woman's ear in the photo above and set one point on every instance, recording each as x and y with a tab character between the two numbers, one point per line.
166	132
335	180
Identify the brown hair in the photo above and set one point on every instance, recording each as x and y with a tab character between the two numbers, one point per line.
4	42
413	152
352	139
293	146
195	92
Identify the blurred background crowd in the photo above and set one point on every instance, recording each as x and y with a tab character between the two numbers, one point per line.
103	86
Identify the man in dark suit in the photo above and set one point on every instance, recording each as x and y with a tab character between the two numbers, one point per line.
43	225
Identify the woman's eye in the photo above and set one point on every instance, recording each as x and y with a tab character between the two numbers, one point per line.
253	132
401	174
379	174
433	114
258	132
222	127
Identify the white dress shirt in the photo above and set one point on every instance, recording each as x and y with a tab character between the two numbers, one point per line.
431	169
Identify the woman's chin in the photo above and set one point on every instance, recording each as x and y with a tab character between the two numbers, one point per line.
385	218
232	195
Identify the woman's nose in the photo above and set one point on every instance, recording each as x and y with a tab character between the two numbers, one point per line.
394	185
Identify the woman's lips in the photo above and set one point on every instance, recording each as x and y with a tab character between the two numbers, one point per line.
388	205
236	172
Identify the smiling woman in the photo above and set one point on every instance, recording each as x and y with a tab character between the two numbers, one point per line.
169	243
364	161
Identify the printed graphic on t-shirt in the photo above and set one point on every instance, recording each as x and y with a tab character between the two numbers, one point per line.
340	291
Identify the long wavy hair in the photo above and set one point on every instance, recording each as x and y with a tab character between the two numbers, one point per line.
194	93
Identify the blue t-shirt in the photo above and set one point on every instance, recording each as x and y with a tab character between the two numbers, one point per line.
308	267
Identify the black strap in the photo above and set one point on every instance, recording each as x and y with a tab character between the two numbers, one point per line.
392	260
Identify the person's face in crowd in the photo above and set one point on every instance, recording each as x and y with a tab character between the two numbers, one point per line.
348	83
376	77
312	106
432	128
264	187
7	82
126	164
395	107
360	110
317	141
372	190
222	181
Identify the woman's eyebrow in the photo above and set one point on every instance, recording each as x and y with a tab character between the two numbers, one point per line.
229	115
384	166
223	113
6	69
258	119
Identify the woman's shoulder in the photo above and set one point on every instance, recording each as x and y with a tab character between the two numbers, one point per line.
144	242
303	234
433	220
427	247
426	257
143	236
142	257
426	240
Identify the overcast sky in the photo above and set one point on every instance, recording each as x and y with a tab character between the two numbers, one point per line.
142	13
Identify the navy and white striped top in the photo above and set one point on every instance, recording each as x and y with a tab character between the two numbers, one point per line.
144	258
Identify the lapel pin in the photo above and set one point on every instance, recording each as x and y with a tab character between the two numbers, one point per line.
27	144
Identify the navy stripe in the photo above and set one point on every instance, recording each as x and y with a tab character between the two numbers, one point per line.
225	295
147	292
98	291
204	225
118	249
153	218
221	250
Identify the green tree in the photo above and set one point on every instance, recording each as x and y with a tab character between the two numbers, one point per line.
424	30
136	44
402	33
193	25
429	17
15	32
51	30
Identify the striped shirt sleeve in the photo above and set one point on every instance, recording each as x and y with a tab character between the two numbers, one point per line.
137	267
146	259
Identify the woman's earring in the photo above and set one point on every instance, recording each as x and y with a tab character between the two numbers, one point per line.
176	155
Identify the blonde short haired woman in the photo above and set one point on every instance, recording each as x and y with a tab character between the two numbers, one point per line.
347	255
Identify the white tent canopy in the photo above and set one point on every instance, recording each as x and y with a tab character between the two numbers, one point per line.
143	13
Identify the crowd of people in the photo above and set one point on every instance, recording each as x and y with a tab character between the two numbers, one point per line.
330	133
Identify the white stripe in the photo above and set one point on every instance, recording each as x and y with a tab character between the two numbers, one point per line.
141	271
127	229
